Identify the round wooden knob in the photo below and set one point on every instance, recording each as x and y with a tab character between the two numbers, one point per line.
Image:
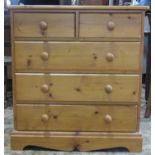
44	88
45	118
108	89
108	118
111	25
43	25
110	57
44	56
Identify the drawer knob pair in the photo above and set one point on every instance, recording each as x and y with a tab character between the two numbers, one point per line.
108	118
111	25
44	56
43	25
108	89
109	57
45	88
45	118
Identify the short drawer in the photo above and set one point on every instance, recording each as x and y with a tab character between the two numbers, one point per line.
43	24
98	57
77	87
76	118
110	25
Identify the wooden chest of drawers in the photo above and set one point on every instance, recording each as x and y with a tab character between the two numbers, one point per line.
77	77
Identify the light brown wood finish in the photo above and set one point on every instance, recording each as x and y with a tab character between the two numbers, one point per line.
70	141
99	57
13	67
80	87
52	27
69	39
44	24
85	8
110	25
76	118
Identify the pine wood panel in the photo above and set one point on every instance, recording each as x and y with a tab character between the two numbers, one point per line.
70	141
57	96
76	118
76	7
77	56
96	25
13	67
77	87
58	24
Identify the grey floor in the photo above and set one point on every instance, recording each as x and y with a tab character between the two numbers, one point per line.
145	126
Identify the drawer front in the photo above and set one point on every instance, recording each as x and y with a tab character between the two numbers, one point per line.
110	25
76	87
77	57
44	24
76	118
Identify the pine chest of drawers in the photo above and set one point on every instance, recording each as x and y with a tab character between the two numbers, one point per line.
77	77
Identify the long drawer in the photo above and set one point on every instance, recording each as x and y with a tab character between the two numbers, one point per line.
77	87
44	24
98	57
76	118
110	25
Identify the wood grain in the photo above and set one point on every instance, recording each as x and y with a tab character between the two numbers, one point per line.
77	57
70	141
76	87
76	118
64	7
59	24
76	40
13	67
96	25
